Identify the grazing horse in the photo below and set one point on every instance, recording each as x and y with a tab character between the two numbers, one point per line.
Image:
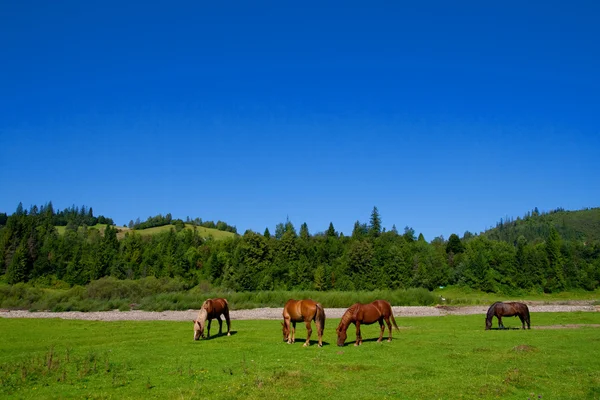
367	314
303	311
500	310
211	308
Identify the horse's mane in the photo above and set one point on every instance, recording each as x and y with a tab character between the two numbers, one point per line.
492	310
202	316
347	317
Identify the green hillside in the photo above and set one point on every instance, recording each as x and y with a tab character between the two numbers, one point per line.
582	225
202	231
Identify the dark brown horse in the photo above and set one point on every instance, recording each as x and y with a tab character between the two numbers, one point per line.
211	308
512	309
367	314
303	311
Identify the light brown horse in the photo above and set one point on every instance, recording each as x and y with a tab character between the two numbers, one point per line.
511	309
367	314
303	311
211	308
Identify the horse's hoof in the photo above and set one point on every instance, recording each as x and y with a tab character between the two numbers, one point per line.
305	345
320	344
228	334
355	344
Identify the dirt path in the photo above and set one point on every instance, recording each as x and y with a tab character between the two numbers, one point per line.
275	313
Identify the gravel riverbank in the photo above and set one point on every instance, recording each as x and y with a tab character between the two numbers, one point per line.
275	313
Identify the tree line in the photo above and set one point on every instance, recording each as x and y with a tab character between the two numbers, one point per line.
370	258
162	220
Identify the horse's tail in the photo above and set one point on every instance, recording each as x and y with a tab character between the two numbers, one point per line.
526	314
394	321
320	317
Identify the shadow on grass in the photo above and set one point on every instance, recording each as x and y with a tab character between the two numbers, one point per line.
214	336
384	340
312	342
506	329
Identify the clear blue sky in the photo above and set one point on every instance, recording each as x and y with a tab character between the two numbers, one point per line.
446	116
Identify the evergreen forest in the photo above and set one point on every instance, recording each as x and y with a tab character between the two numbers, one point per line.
546	252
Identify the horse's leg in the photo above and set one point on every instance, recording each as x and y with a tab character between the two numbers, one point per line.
319	326
522	320
308	333
294	332
381	330
208	328
220	324
228	324
389	324
288	324
358	336
500	326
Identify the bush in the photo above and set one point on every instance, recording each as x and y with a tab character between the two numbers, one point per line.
152	294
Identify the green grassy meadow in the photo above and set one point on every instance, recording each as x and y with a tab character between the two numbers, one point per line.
449	357
202	231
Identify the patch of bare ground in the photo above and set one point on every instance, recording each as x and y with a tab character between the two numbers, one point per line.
524	348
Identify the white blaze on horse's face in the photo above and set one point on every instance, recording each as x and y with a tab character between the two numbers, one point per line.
197	330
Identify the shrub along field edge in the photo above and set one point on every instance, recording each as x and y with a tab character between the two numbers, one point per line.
152	294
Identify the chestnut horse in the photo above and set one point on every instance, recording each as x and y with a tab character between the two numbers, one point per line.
303	311
367	314
211	308
512	309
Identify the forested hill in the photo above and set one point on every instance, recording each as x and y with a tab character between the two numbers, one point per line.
548	252
582	225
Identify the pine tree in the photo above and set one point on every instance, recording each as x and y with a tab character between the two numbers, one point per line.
359	230
304	234
409	234
17	269
279	230
454	245
331	231
375	226
555	279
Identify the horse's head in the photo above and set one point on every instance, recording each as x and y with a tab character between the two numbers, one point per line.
341	336
286	332
198	330
488	324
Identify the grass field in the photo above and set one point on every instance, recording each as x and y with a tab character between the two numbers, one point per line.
202	231
465	295
448	357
